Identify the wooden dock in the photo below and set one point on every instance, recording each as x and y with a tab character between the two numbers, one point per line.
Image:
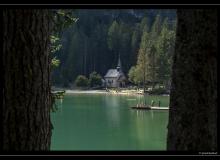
151	108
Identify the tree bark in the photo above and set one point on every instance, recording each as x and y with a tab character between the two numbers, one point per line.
193	100
26	78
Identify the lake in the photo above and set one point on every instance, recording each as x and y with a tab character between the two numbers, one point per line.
106	122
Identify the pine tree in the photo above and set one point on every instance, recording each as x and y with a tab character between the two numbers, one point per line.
165	47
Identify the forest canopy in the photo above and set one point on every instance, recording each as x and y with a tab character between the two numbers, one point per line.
94	42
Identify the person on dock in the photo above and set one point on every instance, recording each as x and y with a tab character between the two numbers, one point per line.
152	103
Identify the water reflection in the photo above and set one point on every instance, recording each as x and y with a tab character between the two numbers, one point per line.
140	132
152	114
59	105
105	122
111	101
113	112
148	128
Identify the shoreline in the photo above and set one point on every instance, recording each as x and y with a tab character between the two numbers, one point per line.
111	92
99	92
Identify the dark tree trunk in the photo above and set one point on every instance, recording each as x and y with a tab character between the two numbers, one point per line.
193	100
26	89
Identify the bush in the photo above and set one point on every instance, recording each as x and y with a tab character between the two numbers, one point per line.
81	81
95	79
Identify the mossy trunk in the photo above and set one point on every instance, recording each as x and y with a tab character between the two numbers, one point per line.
193	100
26	79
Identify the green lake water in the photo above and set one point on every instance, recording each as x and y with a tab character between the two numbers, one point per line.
106	122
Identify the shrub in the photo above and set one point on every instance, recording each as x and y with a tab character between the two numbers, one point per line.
81	81
95	79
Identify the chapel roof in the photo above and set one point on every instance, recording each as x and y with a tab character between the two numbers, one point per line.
112	73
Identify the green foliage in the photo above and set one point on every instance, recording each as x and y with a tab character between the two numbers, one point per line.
55	46
144	25
55	43
155	54
134	75
113	36
143	60
95	79
55	62
135	39
98	37
62	19
156	28
165	47
82	81
119	41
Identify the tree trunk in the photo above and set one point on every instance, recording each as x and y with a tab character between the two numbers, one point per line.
193	100
26	78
